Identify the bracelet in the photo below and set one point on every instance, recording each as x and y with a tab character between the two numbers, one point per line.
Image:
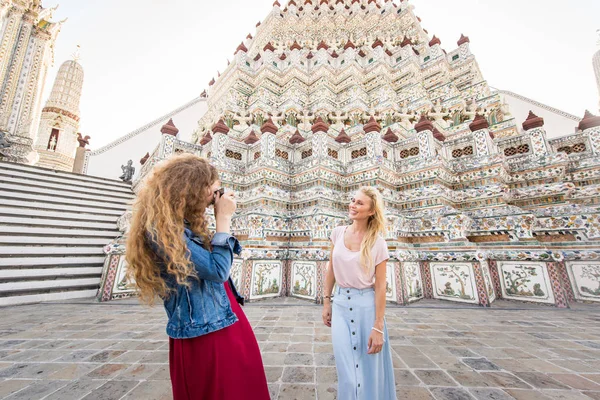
328	297
377	330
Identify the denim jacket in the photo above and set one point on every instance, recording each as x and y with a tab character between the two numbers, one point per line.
203	307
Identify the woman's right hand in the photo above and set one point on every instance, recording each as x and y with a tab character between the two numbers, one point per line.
327	314
225	205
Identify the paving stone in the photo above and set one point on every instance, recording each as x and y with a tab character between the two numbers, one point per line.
575	366
413	393
296	391
155	357
37	390
111	390
462	352
76	390
107	371
470	379
298	359
514	365
435	378
326	375
274	390
8	387
298	374
520	394
576	381
73	371
273	374
592	377
565	395
276	347
490	394
273	358
138	372
593	395
162	374
505	380
480	364
540	381
324	359
327	391
451	394
151	390
299	348
322	348
79	355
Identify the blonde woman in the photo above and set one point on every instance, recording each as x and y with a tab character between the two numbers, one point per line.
358	331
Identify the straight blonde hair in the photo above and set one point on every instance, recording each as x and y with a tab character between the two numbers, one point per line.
375	228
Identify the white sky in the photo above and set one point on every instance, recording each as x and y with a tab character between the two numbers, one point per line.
142	59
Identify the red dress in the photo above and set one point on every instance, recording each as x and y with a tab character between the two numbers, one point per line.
223	365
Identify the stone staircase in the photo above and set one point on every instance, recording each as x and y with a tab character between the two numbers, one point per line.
53	227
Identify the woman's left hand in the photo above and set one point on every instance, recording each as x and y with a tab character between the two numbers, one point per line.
375	342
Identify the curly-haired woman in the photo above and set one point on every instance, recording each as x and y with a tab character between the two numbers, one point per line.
359	255
213	353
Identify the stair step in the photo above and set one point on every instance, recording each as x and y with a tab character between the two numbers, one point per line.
56	223
57	283
53	240
57	215
61	194
49	250
67	190
24	204
40	171
20	195
37	261
41	273
33	176
59	295
33	230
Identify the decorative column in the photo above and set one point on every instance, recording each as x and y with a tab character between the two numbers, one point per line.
484	144
373	138
267	143
590	125
80	153
534	126
167	144
424	130
463	46
319	138
218	144
435	47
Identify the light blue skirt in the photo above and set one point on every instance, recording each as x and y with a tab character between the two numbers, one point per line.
361	376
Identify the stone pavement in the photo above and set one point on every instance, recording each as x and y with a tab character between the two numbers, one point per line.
118	350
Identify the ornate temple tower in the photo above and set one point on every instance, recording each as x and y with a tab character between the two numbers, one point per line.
596	62
330	95
57	137
26	50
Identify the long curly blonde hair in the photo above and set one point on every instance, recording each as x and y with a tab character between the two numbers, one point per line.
375	228
175	192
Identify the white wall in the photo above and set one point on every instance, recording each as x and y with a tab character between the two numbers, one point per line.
106	162
556	123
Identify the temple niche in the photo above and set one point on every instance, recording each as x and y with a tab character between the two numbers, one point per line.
482	205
